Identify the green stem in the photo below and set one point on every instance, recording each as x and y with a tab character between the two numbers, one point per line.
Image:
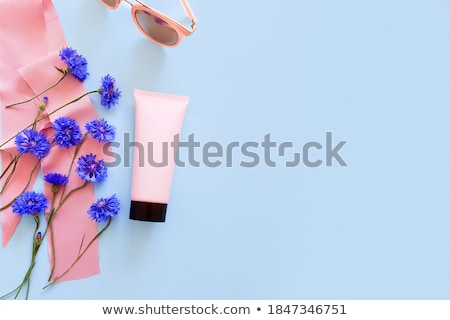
9	293
9	165
35	250
26	186
52	239
52	214
62	199
70	102
61	202
27	277
77	150
64	72
80	255
36	119
16	160
63	106
71	192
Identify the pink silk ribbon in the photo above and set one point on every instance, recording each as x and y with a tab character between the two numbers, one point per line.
30	38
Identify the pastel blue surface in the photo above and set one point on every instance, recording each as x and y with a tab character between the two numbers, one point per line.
374	73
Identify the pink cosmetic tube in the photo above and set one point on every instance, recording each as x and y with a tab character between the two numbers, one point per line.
159	118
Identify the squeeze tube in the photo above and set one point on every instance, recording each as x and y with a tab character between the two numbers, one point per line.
158	122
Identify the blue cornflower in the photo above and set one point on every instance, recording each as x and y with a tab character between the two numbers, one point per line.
56	179
110	94
101	130
104	209
33	142
76	63
67	132
90	170
29	202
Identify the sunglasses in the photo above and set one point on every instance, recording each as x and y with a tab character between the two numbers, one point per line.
155	25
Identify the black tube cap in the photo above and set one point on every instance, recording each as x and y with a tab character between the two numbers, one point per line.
148	211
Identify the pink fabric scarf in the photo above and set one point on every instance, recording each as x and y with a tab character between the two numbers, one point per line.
30	39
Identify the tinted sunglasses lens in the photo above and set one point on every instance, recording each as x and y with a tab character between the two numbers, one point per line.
110	3
156	28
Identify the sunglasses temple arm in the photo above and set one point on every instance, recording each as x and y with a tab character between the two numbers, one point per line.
190	14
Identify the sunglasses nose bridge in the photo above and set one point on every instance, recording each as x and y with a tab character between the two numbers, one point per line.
127	1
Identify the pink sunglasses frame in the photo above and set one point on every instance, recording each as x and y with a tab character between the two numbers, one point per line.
181	30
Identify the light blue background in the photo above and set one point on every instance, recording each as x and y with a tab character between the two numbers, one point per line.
375	73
